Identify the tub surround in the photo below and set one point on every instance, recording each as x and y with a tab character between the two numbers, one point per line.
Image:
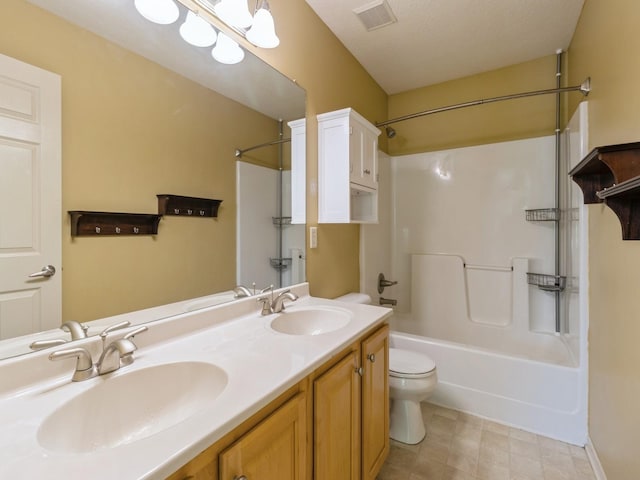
260	365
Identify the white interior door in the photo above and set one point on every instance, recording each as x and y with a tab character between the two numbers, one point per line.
30	198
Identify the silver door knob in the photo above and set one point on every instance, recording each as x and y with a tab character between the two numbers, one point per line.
46	272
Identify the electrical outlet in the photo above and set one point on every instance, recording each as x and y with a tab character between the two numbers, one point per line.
313	237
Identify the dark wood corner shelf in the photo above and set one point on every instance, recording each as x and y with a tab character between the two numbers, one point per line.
624	200
85	223
611	174
169	204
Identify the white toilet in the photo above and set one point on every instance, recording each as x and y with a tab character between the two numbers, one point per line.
412	379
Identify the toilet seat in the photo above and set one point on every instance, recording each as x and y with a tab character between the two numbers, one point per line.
408	364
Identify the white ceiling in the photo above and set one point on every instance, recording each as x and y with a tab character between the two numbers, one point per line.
438	40
251	82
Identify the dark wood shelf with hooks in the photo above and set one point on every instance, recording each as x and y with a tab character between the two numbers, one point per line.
611	174
169	204
89	223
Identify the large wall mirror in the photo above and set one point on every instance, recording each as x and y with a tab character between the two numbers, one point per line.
144	113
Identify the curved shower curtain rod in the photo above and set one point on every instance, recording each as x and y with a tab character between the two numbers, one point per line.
240	152
584	87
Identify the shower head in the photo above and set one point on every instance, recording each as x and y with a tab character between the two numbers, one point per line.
390	132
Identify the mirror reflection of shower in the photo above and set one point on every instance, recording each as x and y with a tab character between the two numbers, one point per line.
270	249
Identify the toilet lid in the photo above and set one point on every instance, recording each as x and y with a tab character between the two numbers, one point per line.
406	362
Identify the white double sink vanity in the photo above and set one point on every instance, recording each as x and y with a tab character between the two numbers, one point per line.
206	388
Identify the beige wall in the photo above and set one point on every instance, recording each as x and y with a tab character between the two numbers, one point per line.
333	79
494	122
606	46
132	129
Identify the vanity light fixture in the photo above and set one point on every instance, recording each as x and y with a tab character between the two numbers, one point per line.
197	31
262	32
163	12
234	12
227	51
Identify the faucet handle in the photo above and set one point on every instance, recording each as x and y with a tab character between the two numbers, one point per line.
85	368
111	328
383	283
40	344
266	305
135	332
267	289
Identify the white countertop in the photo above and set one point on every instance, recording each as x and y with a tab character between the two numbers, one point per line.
260	365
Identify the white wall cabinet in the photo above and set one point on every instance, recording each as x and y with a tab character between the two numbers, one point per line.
347	168
298	171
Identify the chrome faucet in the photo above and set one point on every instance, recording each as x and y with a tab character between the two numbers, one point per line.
111	357
118	353
77	330
241	291
278	304
269	305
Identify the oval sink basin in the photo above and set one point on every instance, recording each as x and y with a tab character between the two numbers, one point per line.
128	407
311	321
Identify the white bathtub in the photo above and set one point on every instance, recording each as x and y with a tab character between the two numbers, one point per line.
539	397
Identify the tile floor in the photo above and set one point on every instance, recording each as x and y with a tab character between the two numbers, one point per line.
459	446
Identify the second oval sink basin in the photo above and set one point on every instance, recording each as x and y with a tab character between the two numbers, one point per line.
131	406
311	320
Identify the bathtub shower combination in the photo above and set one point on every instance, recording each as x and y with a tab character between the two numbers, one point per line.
461	245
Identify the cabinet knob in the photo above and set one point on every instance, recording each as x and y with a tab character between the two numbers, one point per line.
360	371
240	477
371	357
367	172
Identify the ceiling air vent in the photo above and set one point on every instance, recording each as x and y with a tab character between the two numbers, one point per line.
375	15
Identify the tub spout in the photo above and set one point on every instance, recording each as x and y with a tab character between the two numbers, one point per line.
388	301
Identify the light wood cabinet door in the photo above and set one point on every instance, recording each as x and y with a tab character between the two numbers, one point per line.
375	402
273	450
337	421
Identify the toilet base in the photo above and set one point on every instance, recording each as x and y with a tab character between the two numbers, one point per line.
406	424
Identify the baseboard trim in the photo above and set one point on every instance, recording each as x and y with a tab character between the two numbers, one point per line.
594	460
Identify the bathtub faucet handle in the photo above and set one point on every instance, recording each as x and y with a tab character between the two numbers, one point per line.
383	282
